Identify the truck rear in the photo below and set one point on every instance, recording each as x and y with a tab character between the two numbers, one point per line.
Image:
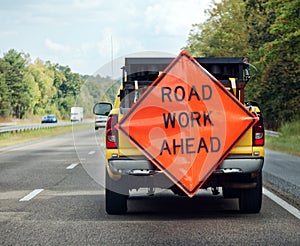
239	174
76	114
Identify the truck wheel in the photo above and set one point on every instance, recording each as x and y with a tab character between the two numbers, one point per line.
115	196
250	199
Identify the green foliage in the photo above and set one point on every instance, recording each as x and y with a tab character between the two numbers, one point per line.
258	19
43	86
37	88
279	61
4	94
40	88
289	140
97	89
223	34
266	31
13	69
280	91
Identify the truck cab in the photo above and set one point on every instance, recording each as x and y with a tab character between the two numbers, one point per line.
238	176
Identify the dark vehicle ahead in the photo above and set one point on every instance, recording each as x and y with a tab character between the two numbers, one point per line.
49	119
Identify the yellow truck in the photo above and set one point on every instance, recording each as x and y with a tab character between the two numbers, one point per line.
238	176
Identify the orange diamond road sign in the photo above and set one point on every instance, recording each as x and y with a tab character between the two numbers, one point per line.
186	123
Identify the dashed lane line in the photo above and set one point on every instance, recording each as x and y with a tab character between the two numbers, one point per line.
292	210
92	152
72	166
31	195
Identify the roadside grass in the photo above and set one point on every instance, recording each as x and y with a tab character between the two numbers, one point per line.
9	139
289	141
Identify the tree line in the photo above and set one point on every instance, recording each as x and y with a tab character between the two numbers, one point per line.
267	32
40	88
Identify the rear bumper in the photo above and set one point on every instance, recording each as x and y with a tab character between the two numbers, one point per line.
241	164
132	166
100	124
140	166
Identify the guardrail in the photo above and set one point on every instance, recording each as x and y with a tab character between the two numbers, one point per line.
272	133
17	129
8	124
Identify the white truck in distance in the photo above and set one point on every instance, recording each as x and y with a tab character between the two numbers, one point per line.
76	114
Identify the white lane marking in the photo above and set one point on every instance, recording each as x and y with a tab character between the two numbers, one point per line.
74	193
72	166
92	152
294	211
31	195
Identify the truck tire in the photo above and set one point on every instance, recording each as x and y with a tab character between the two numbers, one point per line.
115	196
250	200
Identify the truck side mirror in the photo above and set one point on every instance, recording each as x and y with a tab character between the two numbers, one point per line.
102	108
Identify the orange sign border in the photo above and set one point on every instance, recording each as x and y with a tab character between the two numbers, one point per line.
148	91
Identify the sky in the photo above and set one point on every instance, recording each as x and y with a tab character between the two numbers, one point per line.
86	34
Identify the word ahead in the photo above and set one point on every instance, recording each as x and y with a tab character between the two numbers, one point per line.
190	146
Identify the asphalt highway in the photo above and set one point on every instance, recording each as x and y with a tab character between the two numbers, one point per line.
51	193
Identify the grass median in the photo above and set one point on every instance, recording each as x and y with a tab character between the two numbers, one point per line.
289	140
10	139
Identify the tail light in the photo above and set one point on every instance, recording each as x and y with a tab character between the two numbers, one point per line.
111	132
259	132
